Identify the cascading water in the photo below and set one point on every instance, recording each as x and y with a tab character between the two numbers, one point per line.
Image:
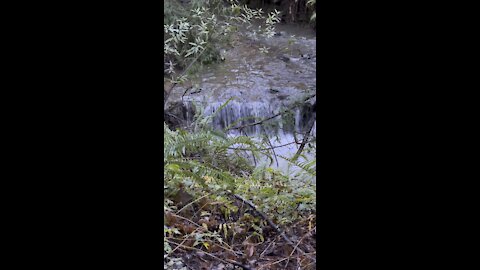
279	130
261	85
237	114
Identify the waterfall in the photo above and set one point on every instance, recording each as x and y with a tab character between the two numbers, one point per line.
239	114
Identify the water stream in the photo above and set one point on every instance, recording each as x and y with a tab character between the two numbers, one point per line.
260	85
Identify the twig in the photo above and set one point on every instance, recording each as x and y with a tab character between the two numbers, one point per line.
253	154
271	117
174	116
186	90
227	248
272	242
213	256
265	149
299	241
193	222
279	261
272	148
191	203
174	83
304	141
295	137
259	122
181	244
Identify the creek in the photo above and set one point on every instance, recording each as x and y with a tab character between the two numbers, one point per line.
260	85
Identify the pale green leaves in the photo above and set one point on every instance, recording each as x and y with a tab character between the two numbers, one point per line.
264	50
312	3
196	47
170	67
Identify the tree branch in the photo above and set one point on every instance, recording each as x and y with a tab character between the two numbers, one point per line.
174	83
304	141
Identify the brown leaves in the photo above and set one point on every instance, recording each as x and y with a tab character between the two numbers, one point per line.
211	223
212	238
182	198
170	219
187	228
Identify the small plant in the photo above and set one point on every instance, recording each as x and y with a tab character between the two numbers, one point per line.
312	3
197	33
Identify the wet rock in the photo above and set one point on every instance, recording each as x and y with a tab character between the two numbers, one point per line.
179	114
307	56
283	58
196	91
286	58
274	91
223	53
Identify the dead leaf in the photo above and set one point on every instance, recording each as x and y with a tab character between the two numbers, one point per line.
249	250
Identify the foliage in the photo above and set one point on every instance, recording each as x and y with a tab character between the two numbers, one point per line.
313	3
203	169
195	32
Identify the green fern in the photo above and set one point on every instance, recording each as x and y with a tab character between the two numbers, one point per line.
308	166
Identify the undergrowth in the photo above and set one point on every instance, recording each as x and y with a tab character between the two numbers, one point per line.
195	32
223	212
